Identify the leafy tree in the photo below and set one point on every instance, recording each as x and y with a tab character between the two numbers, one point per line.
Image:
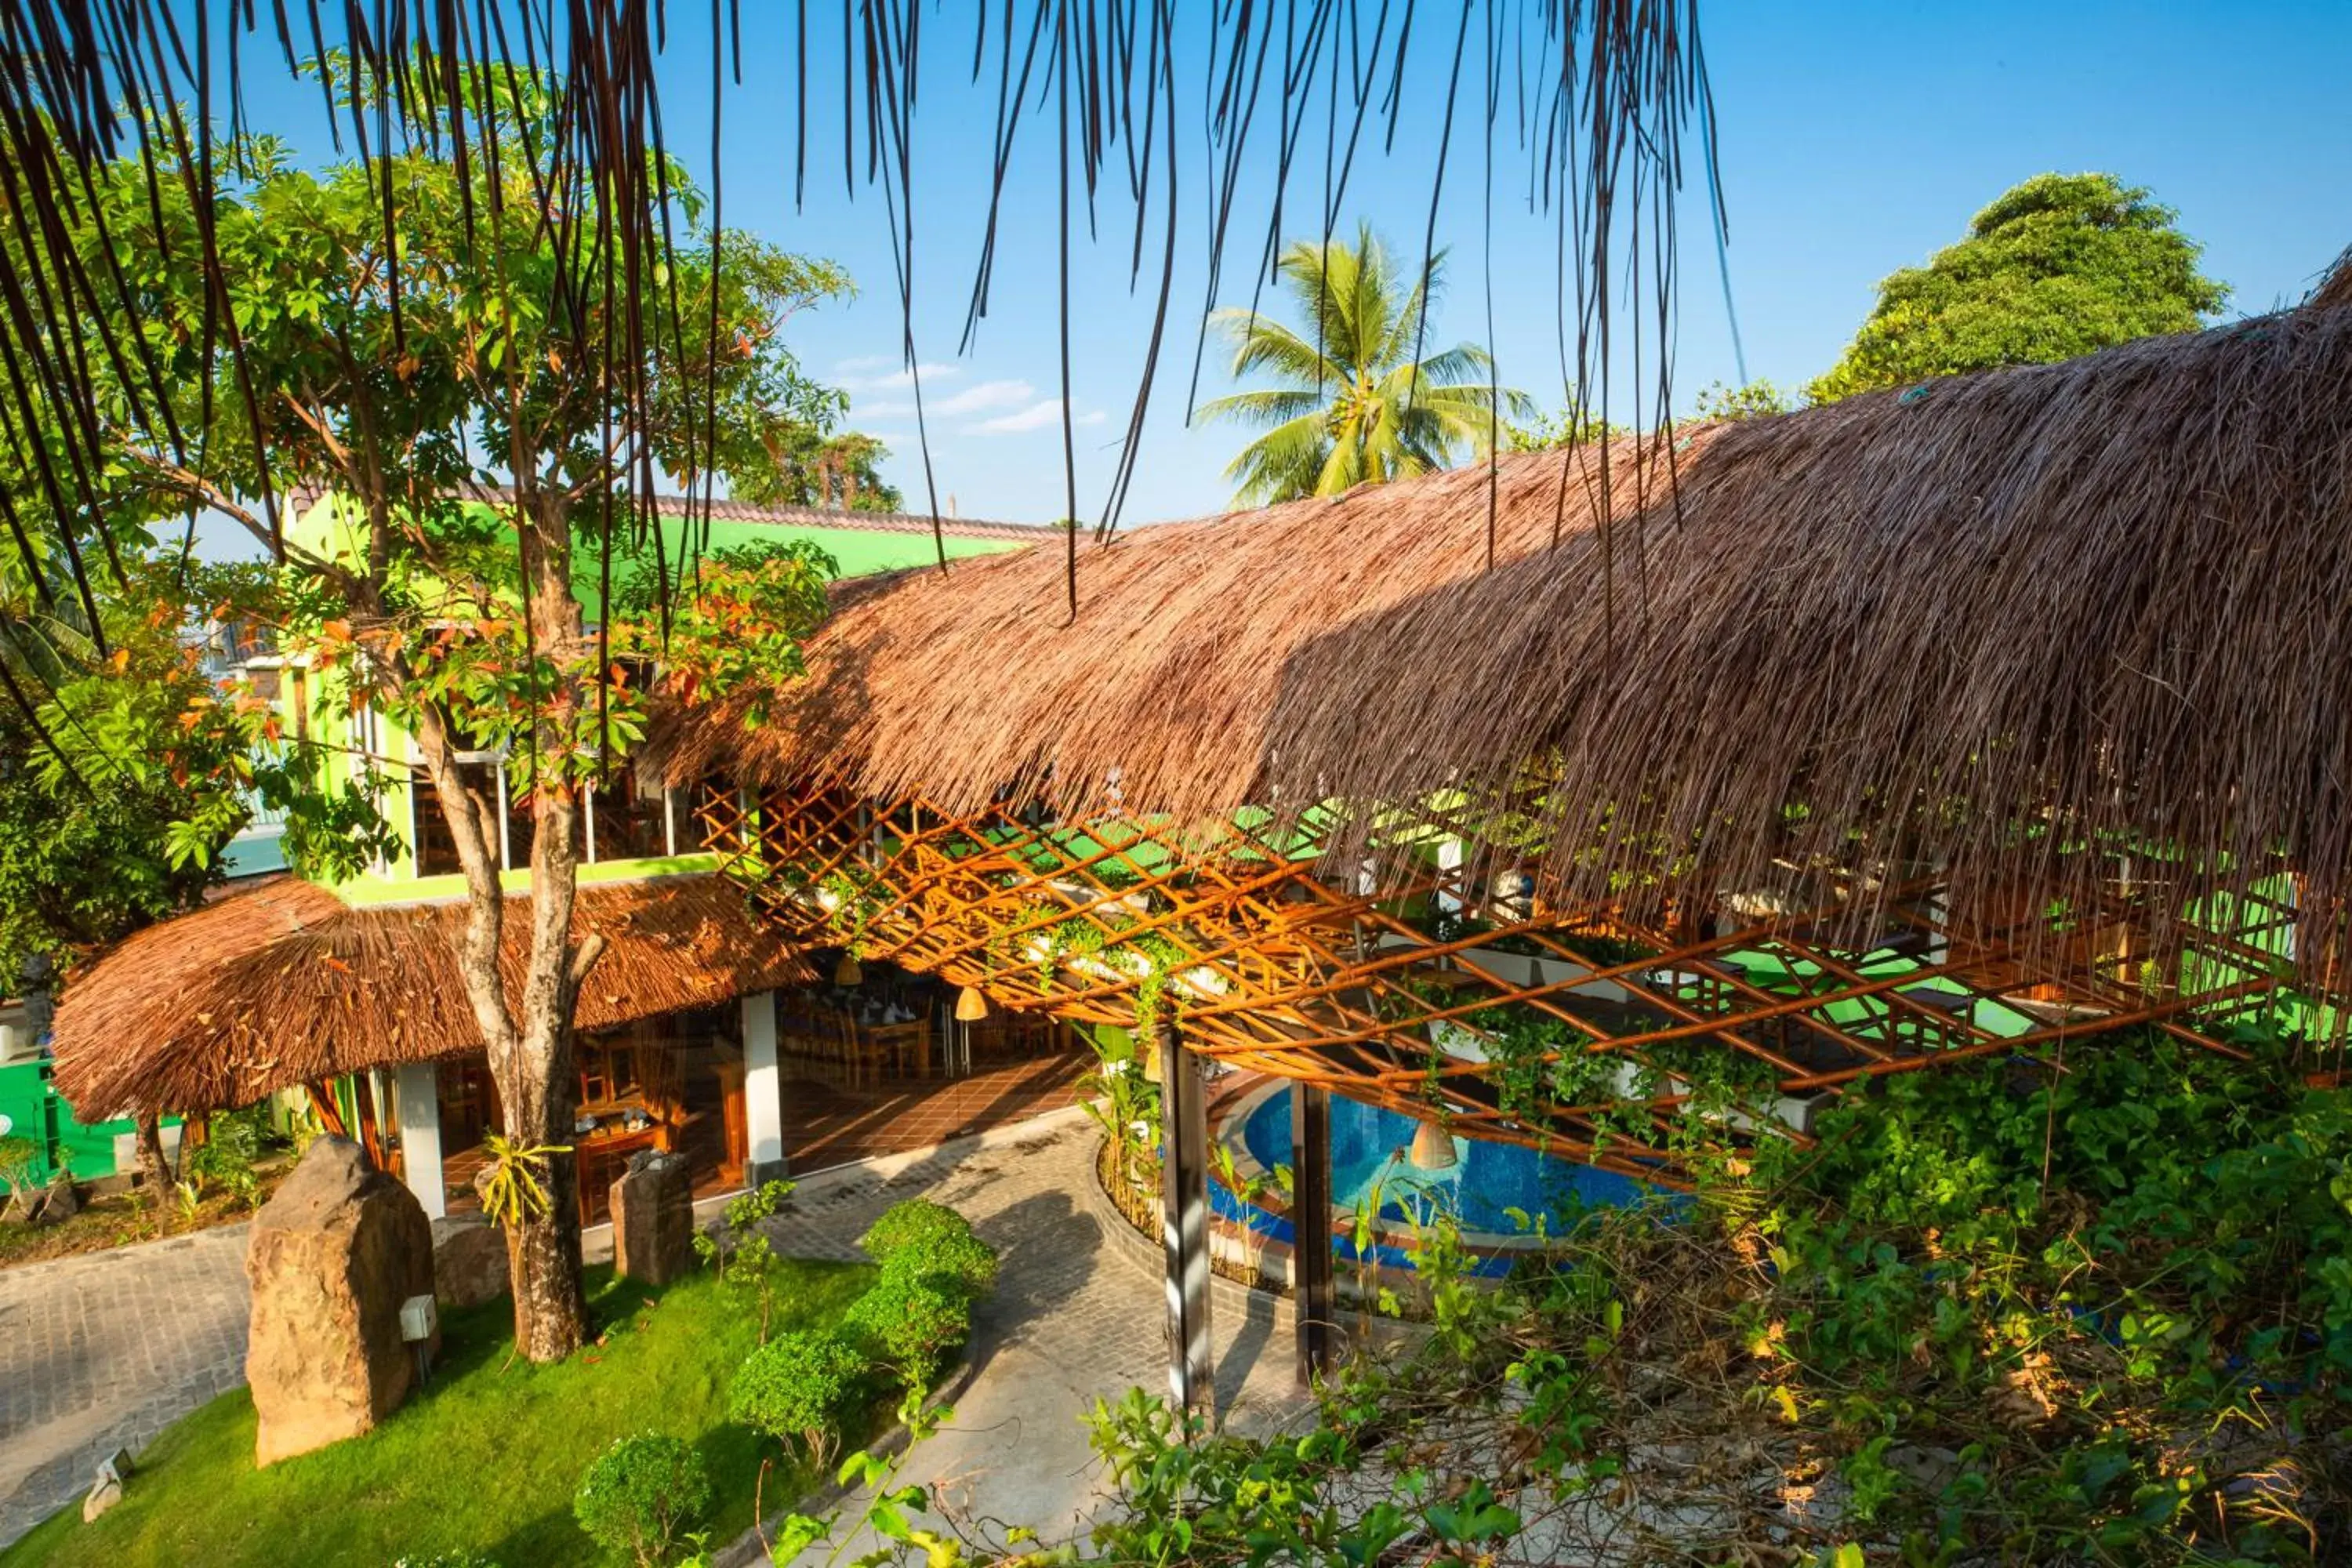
1541	432
452	395
1355	404
841	470
119	789
2059	266
1720	403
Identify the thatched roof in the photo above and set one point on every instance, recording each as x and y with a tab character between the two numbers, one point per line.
1161	691
2117	589
284	983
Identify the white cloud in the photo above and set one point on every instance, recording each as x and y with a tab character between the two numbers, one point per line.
877	373
1036	416
987	395
977	399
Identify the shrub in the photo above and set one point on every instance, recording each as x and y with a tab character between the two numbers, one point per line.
919	1240
639	1496
20	1160
797	1388
912	1324
964	1262
912	1222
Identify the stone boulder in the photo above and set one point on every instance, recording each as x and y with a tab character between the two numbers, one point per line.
469	1261
334	1253
652	1218
53	1204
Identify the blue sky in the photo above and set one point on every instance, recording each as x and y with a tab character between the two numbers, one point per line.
1856	139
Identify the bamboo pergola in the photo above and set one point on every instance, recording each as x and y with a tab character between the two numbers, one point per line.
1350	976
1936	724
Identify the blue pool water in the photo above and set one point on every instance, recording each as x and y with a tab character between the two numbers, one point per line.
1369	1146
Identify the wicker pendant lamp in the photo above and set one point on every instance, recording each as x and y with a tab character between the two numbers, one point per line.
972	1005
848	972
1433	1148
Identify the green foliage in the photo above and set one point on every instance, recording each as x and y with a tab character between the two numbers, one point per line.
515	1191
922	1239
2058	265
20	1163
1355	405
119	792
1125	1106
934	1269
740	1252
818	469
640	1497
799	1388
233	1142
1541	432
913	1324
1718	403
2140	1356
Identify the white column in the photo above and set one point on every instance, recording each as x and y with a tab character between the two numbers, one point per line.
1449	859
763	1092
416	1093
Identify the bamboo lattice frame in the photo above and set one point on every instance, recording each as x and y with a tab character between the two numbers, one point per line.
1275	963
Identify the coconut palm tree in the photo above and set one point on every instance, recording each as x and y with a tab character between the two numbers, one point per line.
1355	404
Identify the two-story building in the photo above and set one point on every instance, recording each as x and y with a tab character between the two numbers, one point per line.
345	1001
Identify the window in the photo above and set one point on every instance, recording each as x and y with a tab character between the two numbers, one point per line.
436	847
628	820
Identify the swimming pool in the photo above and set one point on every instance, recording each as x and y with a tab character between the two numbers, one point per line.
1369	1150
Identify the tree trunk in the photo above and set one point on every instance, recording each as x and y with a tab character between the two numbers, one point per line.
151	1168
528	1039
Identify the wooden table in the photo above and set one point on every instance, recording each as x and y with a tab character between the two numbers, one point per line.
895	1040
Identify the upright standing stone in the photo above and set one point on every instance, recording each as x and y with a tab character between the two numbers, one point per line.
333	1255
652	1218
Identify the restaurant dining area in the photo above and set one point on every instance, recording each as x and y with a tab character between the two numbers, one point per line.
884	1059
874	1061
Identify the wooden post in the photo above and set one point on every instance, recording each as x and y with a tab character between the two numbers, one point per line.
1184	1230
1313	1309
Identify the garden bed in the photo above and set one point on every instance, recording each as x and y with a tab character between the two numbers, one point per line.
126	1216
486	1459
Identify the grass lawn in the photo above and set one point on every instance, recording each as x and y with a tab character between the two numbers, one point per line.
484	1459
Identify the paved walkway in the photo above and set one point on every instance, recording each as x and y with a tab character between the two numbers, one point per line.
1079	1313
102	1351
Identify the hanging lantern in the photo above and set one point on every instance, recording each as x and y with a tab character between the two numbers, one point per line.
848	972
971	1006
1433	1148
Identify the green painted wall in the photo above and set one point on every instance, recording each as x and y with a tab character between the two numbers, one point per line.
860	552
36	1112
323	529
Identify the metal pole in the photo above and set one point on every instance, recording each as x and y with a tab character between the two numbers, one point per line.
1313	1309
1184	1231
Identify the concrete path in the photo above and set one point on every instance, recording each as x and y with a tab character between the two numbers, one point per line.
103	1351
1079	1313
